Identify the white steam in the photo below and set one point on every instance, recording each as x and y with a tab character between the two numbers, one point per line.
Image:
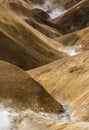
4	120
71	50
53	10
64	116
7	118
56	12
10	119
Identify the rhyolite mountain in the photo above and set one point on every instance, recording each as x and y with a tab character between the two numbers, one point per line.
44	64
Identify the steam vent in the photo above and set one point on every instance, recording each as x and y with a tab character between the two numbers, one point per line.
44	64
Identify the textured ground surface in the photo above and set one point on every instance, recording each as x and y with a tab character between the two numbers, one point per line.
44	65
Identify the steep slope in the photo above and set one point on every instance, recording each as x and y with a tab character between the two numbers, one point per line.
73	43
66	4
18	3
42	25
75	18
35	17
47	30
26	93
35	45
68	81
77	38
42	37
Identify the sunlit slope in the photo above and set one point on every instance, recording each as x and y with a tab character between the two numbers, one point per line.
35	17
18	3
68	81
35	123
77	38
34	44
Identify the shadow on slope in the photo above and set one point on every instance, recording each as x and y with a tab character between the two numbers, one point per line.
40	50
15	84
75	18
65	80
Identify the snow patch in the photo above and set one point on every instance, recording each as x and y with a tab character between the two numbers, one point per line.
53	10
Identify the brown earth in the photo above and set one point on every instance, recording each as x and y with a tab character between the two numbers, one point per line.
53	93
67	81
75	18
24	91
36	49
76	38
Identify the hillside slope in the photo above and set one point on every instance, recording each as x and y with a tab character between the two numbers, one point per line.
44	64
24	91
37	48
75	18
80	37
67	81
